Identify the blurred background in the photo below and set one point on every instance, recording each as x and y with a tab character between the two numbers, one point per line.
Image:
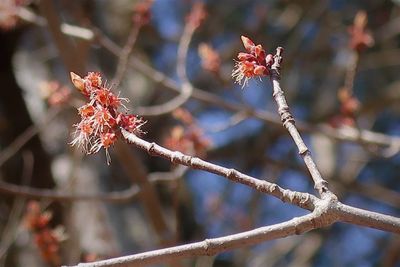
340	75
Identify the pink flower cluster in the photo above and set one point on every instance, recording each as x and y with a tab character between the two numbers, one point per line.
251	64
101	119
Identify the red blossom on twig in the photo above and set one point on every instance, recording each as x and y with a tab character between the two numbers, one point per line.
254	63
361	38
349	106
54	93
101	118
142	12
187	138
210	59
196	15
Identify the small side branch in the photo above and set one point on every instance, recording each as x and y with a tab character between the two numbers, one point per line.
289	123
37	193
186	88
303	200
125	55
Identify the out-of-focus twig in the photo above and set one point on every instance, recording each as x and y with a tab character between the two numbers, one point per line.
63	44
22	139
112	197
186	87
125	54
148	195
11	228
30	192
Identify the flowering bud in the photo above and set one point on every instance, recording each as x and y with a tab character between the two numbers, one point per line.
246	57
269	59
248	44
77	81
259	70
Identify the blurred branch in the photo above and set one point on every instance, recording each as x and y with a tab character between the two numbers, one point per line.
13	222
65	48
373	191
31	192
125	54
113	197
68	29
148	195
186	87
22	139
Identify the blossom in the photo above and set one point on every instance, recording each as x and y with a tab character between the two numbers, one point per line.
46	239
196	15
101	118
54	93
255	62
142	12
210	59
188	137
361	38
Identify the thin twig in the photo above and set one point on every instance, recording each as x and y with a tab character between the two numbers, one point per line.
64	45
123	196
125	54
288	122
149	198
186	87
24	137
30	192
10	231
303	200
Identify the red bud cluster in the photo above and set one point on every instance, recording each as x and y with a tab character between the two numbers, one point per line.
101	119
46	239
210	59
361	38
187	138
55	93
196	15
251	64
349	106
142	12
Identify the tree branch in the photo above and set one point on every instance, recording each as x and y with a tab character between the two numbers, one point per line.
125	54
26	191
368	218
186	89
288	122
214	246
303	200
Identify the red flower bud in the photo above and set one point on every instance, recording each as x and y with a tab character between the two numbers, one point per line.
77	81
259	70
248	44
